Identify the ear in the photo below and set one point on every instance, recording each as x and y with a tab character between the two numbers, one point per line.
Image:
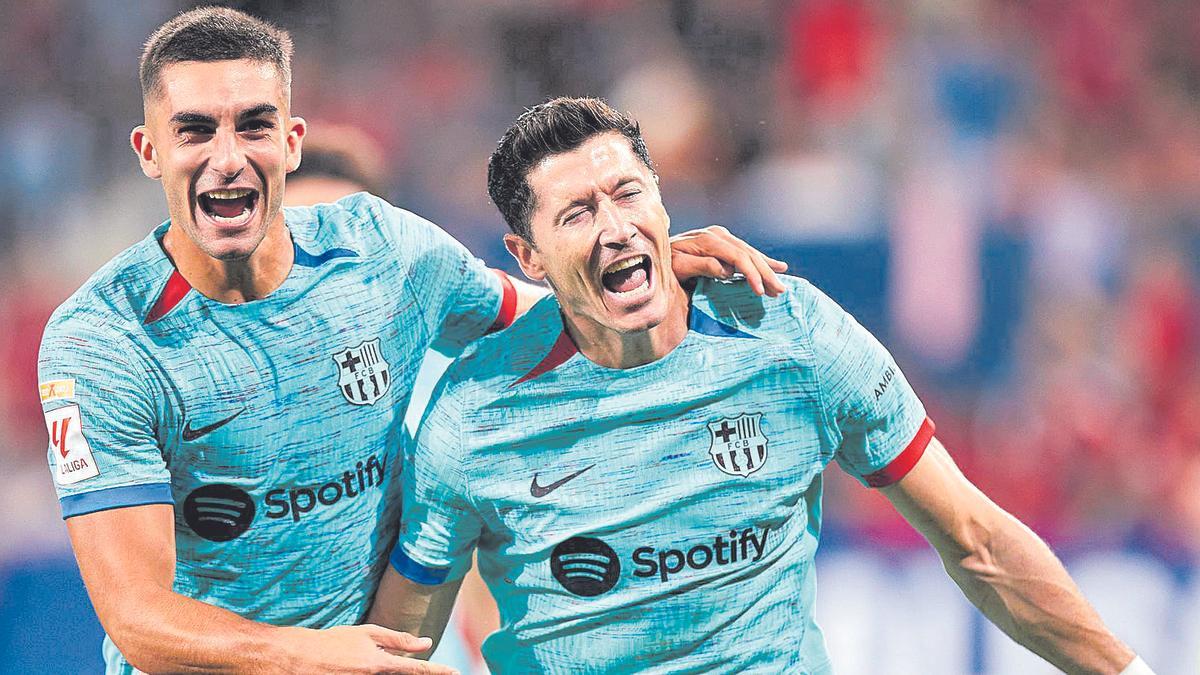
526	256
147	156
658	190
296	129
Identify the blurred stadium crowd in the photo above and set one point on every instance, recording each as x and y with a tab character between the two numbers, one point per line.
1006	192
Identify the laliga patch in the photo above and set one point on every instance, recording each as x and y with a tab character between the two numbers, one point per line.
72	454
56	389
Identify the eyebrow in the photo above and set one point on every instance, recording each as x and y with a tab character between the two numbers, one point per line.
260	110
182	118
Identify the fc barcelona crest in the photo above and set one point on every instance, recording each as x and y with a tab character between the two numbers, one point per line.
363	373
739	447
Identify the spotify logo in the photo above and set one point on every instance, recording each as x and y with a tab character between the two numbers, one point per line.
218	512
585	566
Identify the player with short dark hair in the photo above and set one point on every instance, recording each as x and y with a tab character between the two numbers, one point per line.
637	462
553	130
210	34
225	398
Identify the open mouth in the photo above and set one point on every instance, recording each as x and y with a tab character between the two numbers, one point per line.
627	276
228	206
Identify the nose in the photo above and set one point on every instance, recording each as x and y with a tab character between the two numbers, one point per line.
616	230
227	156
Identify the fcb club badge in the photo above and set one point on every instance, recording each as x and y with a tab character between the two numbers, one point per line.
738	445
363	376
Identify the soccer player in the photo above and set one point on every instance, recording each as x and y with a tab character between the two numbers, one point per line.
225	398
638	461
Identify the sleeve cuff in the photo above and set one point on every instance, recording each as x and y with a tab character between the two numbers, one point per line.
415	571
508	303
115	498
904	462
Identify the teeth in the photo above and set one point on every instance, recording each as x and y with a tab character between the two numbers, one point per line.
229	194
624	265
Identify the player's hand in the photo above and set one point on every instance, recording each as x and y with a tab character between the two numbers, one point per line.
359	649
713	252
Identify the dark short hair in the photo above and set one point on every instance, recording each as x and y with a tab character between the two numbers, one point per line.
214	34
556	126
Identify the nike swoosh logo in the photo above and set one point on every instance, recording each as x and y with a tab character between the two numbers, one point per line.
540	491
190	434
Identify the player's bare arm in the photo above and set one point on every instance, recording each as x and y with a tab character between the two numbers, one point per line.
407	606
1004	569
127	559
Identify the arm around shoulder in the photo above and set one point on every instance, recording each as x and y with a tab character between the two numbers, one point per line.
1004	569
127	560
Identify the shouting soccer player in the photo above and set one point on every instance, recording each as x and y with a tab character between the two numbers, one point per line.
639	463
225	398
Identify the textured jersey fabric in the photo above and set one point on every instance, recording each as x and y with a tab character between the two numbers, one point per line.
274	426
661	518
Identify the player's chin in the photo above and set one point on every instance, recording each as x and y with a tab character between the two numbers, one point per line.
230	247
637	317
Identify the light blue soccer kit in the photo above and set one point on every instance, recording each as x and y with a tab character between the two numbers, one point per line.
275	427
661	518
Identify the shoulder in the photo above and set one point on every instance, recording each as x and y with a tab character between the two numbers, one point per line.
734	304
494	363
115	300
364	223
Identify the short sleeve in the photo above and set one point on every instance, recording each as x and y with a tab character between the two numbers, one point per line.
460	297
439	527
881	424
100	419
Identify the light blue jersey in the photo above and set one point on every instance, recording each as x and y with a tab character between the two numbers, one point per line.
661	518
274	426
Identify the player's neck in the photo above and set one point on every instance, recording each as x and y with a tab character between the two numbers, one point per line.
234	281
611	349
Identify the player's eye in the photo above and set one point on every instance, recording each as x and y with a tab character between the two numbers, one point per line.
196	130
575	216
628	195
257	125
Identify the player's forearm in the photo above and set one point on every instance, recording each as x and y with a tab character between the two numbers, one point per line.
164	632
413	608
1019	584
1002	567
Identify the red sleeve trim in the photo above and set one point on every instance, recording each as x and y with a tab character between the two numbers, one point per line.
508	304
906	460
171	295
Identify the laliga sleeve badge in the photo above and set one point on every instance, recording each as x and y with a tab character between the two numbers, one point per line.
72	454
55	390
